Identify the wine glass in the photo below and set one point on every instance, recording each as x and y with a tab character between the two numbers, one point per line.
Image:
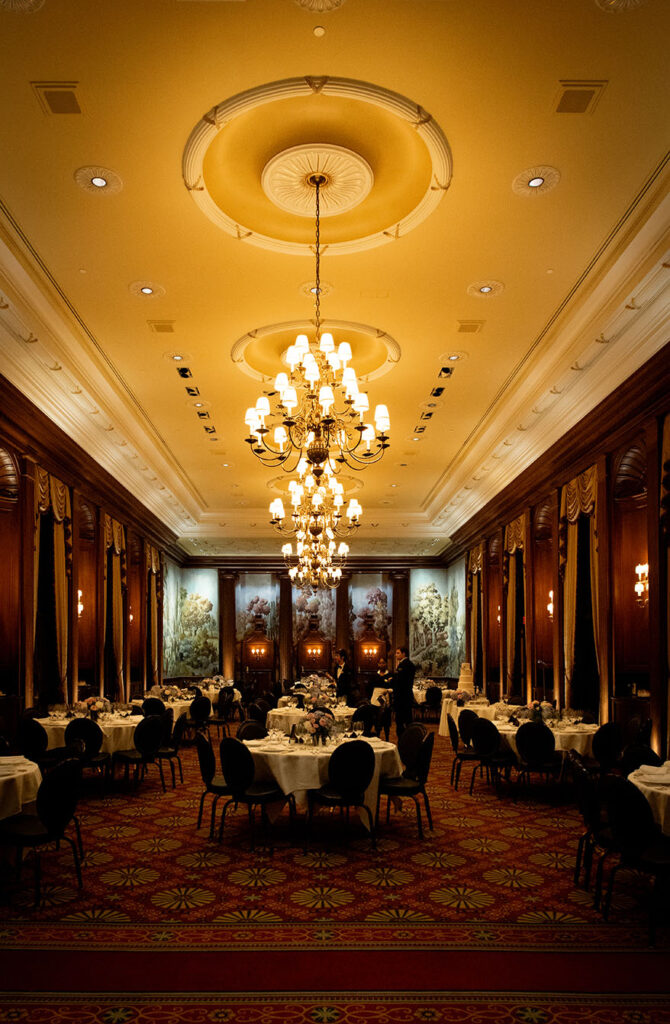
358	728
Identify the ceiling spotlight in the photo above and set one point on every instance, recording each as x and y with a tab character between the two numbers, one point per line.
535	182
177	358
454	358
146	290
319	31
199	405
485	289
99	182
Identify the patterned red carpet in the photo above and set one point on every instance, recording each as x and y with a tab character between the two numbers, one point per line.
484	905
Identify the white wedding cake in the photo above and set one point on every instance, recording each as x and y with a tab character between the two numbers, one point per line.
465	680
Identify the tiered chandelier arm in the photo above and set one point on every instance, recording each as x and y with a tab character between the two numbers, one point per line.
320	410
316	506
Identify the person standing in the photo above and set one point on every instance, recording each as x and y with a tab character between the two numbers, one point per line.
344	678
403	690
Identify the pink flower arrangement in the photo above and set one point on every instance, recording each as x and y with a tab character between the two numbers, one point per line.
319	723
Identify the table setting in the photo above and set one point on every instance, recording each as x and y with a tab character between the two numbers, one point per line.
300	766
654	782
19	781
117	725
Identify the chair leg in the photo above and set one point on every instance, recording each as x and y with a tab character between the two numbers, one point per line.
608	893
172	773
578	859
223	817
428	814
75	857
373	835
160	772
418	817
80	845
308	827
181	772
200	810
38	877
217	797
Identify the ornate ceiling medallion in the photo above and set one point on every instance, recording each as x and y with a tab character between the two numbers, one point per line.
319	6
348	179
23	6
379	192
616	6
536	181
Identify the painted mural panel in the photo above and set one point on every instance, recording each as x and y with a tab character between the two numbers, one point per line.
370	593
437	620
322	604
171	583
191	618
257	594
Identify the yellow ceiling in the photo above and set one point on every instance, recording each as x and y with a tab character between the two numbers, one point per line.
490	75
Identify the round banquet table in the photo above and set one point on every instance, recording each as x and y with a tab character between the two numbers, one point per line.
299	767
450	707
117	731
654	783
286	718
569	737
19	782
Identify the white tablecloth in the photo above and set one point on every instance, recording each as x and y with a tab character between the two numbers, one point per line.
450	707
19	782
654	782
573	737
117	732
299	767
286	718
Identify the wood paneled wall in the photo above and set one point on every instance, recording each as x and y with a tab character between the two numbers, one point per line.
622	437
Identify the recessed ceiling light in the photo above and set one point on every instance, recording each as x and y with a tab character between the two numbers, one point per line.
94	178
535	182
225	465
146	290
394	485
319	31
485	289
454	358
177	358
198	405
99	182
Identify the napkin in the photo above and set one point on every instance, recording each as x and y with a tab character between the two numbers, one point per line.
14	759
655	773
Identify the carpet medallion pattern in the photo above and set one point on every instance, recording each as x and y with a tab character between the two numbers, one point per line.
494	872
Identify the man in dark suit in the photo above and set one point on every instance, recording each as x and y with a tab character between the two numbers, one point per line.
403	686
344	677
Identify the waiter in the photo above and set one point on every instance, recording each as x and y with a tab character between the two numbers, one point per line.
403	690
344	678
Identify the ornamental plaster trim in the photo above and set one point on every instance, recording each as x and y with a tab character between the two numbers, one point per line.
393	351
348	179
221	115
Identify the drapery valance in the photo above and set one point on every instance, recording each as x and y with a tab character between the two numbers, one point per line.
52	495
579	497
115	535
152	559
515	533
476	559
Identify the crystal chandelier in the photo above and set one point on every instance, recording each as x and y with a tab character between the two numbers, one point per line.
318	561
316	506
319	410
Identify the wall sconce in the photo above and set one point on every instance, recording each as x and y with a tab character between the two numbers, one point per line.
370	652
550	606
258	652
642	583
130	615
314	652
498	615
80	604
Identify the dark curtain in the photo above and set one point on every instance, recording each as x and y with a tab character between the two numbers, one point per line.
585	677
519	670
47	686
110	660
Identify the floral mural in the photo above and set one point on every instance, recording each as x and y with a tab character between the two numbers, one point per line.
257	594
437	620
190	622
370	593
320	603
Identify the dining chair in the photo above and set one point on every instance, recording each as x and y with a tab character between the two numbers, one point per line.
461	757
598	834
215	784
239	770
251	730
92	736
607	745
640	844
368	714
222	712
466	721
536	745
147	741
55	808
413	784
152	706
432	705
635	755
351	767
487	746
171	744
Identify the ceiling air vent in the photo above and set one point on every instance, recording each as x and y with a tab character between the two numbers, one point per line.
446	371
426	415
437	392
203	414
210	430
421	429
579	97
184	371
192	391
470	326
161	326
57	97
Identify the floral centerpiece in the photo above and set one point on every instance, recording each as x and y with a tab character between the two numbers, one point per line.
540	710
94	706
460	696
319	725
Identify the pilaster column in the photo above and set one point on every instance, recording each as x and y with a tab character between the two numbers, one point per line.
529	604
557	621
400	624
286	660
604	589
657	558
227	582
27	492
73	646
342	614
